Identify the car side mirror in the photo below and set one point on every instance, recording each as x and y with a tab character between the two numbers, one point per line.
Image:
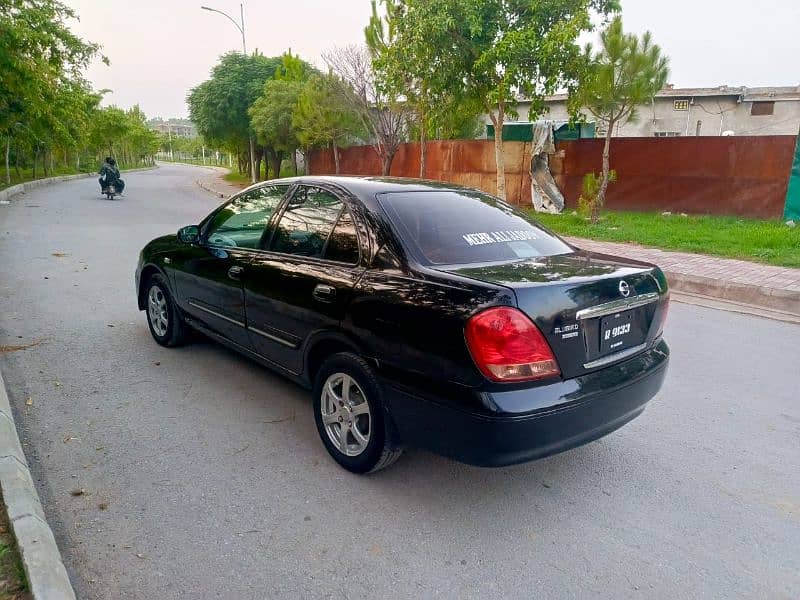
189	234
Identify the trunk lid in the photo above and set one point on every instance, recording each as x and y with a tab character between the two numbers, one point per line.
593	309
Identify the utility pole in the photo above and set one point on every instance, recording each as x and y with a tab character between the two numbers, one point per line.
240	27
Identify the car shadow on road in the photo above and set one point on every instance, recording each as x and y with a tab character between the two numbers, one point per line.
419	474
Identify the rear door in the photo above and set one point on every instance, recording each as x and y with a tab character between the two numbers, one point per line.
304	282
210	277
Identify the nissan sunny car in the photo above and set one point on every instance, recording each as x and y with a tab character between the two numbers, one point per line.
419	314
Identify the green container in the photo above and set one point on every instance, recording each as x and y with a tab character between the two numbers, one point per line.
575	132
792	210
523	132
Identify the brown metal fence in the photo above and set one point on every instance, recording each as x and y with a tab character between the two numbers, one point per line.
745	176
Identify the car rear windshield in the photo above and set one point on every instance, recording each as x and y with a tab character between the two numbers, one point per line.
463	227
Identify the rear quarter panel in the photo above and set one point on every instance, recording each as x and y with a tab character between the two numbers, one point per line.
414	326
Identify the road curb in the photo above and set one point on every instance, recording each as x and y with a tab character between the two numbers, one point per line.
22	188
769	297
204	186
44	568
787	301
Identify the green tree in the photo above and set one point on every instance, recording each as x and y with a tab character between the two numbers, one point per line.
109	126
271	118
625	73
219	105
293	68
40	59
491	51
325	117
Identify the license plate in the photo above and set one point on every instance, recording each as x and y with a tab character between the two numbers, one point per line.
619	332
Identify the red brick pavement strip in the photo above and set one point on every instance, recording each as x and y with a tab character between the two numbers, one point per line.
776	288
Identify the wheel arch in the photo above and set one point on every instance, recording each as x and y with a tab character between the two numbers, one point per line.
147	272
324	344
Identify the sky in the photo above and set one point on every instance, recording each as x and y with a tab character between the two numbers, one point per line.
159	49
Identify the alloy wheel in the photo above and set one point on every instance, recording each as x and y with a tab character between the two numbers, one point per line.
345	414
157	310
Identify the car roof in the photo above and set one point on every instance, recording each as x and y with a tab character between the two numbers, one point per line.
366	188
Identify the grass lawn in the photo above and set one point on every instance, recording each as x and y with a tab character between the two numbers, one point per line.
13	585
771	242
235	178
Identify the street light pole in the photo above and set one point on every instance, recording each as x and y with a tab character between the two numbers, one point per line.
240	27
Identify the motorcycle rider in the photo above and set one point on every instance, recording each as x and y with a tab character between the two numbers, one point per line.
109	175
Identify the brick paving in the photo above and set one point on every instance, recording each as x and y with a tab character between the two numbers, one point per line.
700	265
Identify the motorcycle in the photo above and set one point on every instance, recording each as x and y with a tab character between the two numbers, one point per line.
110	191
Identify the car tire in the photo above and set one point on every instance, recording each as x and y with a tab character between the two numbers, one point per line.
163	317
369	444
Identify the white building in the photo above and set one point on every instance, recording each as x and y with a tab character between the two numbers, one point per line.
702	111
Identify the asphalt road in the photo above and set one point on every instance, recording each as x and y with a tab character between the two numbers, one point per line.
204	477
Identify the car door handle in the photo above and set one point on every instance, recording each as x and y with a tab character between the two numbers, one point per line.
324	293
235	273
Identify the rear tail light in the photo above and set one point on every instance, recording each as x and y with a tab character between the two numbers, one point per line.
661	319
507	346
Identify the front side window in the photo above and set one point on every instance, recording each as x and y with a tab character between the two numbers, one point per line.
465	227
241	223
307	222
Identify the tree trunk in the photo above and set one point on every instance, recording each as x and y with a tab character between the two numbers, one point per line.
306	160
35	154
275	159
499	155
294	160
8	156
259	159
17	156
253	172
601	193
336	157
423	144
386	162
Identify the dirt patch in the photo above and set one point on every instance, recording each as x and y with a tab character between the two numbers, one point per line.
18	347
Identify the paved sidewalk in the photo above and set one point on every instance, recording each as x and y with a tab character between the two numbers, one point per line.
213	182
775	288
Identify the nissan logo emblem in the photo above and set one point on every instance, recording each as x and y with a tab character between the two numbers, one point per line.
624	289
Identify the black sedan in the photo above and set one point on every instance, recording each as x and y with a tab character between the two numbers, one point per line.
419	313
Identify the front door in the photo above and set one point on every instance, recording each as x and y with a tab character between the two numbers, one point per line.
304	283
210	279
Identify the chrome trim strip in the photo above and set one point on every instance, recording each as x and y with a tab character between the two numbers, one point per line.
216	314
614	357
615	306
223	340
272	337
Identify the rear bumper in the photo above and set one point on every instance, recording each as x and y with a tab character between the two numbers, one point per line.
531	423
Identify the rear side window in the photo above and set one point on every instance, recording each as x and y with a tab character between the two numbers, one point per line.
343	242
307	222
462	227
